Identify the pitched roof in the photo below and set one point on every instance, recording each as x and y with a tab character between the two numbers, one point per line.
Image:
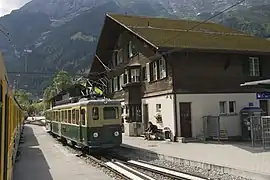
176	34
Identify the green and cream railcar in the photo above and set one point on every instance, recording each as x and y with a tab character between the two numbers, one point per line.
95	124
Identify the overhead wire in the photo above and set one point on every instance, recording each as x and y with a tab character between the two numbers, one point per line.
200	23
150	57
156	56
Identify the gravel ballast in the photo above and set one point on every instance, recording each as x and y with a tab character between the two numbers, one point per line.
195	170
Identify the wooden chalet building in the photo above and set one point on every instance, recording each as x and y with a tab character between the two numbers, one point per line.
160	68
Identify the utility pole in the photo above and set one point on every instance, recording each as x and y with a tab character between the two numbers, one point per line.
25	63
26	59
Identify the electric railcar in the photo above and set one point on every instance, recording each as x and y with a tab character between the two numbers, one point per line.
11	123
89	124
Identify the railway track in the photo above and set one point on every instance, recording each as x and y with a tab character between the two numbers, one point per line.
127	169
135	170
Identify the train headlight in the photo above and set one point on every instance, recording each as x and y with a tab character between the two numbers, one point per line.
116	133
95	135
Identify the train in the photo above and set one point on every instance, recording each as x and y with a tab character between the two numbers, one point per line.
91	124
11	125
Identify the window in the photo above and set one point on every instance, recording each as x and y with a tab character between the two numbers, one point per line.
109	86
62	115
73	116
77	113
110	113
162	68
121	81
119	57
126	77
232	106
153	70
158	107
222	107
114	58
66	116
59	116
254	66
115	83
69	116
135	75
83	117
130	49
95	113
144	75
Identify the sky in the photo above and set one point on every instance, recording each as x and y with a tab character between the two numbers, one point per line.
6	6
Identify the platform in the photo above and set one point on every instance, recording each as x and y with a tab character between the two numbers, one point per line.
234	156
43	159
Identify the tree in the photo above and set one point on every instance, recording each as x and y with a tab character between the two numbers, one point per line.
23	98
62	80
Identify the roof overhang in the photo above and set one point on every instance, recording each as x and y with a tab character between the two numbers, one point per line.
181	49
257	83
108	37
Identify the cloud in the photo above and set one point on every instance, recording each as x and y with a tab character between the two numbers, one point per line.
6	6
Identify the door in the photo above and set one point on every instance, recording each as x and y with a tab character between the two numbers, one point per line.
60	120
185	119
264	106
145	116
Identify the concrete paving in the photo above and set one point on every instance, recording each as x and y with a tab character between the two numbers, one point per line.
237	156
43	159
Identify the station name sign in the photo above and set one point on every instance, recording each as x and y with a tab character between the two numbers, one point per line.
263	95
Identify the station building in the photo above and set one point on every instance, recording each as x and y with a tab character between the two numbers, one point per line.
176	72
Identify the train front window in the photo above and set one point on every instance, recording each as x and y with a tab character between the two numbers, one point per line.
95	113
110	113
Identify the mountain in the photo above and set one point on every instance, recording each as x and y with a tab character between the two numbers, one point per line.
63	34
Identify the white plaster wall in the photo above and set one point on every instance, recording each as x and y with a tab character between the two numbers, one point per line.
208	104
167	110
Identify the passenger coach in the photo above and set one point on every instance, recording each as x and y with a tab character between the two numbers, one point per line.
11	120
90	124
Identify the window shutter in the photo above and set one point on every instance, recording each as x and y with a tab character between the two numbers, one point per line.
148	72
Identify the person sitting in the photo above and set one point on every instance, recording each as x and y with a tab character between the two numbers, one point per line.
151	130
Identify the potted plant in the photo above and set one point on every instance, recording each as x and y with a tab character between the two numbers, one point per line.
158	118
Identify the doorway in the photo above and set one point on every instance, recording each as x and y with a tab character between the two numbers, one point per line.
185	119
264	106
145	116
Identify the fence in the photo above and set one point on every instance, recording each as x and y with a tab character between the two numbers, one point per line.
211	127
265	121
259	130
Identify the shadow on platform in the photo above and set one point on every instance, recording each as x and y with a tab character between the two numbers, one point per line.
31	164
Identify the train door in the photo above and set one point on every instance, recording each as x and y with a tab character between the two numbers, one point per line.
60	117
78	123
83	124
6	138
1	127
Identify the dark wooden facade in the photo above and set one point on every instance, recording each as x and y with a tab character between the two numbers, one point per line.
183	71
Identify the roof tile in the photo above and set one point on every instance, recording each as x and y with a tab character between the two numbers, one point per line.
174	33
